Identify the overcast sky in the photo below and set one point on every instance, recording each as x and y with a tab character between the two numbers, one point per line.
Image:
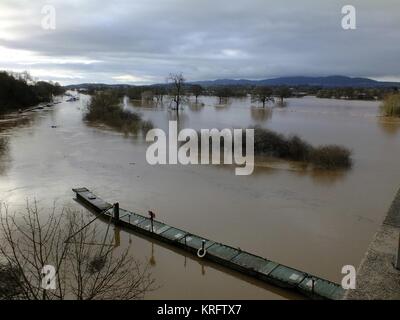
142	41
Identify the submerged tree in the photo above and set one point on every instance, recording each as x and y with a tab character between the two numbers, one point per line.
159	92
177	89
148	96
224	92
134	93
262	94
197	90
86	266
282	93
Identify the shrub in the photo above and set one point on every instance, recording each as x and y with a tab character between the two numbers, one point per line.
106	107
147	125
298	149
391	105
10	278
269	143
331	157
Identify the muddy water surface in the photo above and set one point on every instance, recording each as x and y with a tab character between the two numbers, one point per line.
310	220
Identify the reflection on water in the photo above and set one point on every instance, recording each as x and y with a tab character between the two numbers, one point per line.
152	258
390	126
14	121
223	105
269	166
310	220
261	114
194	274
117	236
196	106
4	161
148	104
326	178
281	104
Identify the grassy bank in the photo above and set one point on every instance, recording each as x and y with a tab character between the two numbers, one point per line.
390	106
293	148
105	107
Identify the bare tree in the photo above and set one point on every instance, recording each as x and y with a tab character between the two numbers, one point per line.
86	265
197	90
148	96
282	93
177	89
223	93
159	92
262	94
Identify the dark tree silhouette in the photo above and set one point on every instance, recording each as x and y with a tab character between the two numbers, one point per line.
282	93
262	94
197	90
177	89
18	91
85	262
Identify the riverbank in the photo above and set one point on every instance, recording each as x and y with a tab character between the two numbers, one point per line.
377	278
14	118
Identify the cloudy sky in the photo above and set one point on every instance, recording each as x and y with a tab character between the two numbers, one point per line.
142	41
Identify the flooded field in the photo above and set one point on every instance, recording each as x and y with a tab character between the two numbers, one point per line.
316	221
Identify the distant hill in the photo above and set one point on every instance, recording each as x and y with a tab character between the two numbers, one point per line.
328	82
94	85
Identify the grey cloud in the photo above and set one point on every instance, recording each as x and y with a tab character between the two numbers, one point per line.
209	39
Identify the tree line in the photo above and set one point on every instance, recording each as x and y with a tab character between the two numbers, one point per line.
19	91
177	88
350	93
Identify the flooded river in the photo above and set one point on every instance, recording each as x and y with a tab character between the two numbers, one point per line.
310	220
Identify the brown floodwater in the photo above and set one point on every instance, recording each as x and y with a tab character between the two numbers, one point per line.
311	220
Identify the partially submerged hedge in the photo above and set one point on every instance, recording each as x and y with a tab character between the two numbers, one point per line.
391	105
106	107
269	143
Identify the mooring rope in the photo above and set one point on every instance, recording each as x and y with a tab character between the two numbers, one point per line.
89	223
105	237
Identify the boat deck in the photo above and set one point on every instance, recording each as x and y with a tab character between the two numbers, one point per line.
229	257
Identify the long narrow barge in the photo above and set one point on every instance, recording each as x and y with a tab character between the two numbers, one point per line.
227	256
